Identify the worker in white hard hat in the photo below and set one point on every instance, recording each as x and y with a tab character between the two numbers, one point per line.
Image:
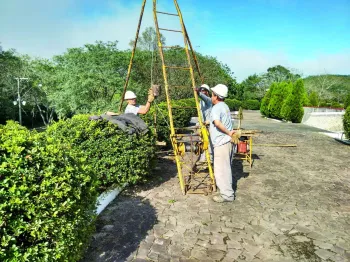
221	131
205	103
133	107
205	106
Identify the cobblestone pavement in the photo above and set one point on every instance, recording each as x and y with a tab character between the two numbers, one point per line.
293	205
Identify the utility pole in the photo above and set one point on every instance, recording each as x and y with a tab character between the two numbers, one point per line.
19	98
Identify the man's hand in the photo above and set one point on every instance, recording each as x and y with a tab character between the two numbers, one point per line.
150	96
235	135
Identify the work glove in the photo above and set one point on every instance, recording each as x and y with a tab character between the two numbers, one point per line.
235	137
150	95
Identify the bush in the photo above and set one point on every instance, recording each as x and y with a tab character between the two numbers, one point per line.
181	116
292	109
116	157
336	105
313	99
49	184
346	122
279	94
233	104
251	104
47	197
347	101
266	100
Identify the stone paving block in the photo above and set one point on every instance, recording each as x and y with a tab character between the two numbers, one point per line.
153	256
199	253
324	254
222	247
338	250
203	243
316	236
215	254
217	238
301	239
159	249
233	244
322	245
169	234
232	255
226	230
175	250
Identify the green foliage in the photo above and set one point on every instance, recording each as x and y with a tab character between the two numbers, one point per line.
253	87
266	100
233	104
49	184
347	101
336	105
116	157
181	116
47	197
346	122
329	87
313	99
279	94
251	104
292	109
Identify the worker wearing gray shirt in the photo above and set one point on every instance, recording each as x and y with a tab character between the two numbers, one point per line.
205	106
221	131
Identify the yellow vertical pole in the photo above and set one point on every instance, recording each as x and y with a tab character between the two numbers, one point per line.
132	56
172	130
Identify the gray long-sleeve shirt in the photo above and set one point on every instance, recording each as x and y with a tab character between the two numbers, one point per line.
206	105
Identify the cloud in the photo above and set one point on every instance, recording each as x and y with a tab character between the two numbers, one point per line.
245	62
43	28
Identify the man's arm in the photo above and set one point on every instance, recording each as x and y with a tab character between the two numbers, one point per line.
144	109
207	100
222	128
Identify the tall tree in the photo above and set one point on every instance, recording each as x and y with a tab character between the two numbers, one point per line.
292	109
148	40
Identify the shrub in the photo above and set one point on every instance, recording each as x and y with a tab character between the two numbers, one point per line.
49	184
251	104
233	104
47	197
313	99
116	157
181	116
266	100
347	101
292	109
346	122
278	96
336	105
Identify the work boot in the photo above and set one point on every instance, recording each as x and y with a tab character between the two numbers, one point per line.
220	199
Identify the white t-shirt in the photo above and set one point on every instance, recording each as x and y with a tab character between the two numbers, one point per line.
132	109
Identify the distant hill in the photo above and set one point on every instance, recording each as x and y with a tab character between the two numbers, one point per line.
329	87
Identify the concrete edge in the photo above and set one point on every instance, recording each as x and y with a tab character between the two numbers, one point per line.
107	197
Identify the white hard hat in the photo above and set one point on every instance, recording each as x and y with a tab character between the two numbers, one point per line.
205	86
221	90
129	95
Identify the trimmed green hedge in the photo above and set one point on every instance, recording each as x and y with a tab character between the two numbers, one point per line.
346	122
181	117
49	183
251	104
115	156
233	104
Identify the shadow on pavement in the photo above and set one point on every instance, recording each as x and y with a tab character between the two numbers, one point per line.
120	229
238	172
165	170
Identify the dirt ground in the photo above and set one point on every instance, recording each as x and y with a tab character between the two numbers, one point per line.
292	205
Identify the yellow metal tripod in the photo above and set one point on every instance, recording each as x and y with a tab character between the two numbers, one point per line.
188	143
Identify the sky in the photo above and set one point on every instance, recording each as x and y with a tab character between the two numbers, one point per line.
308	36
